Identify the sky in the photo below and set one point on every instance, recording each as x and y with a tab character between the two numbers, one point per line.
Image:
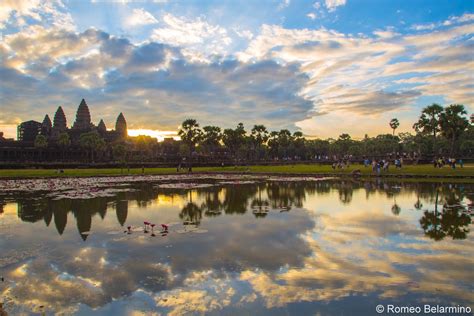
324	67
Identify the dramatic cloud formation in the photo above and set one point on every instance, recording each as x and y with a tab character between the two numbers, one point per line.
115	75
175	66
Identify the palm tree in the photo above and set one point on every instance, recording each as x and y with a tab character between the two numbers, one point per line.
92	142
453	123
259	135
41	142
190	133
233	139
394	124
211	138
63	141
119	151
428	123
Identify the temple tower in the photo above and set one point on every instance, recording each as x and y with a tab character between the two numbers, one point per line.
101	128
121	126
59	120
83	117
46	126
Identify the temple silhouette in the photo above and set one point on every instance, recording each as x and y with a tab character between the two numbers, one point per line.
55	141
29	130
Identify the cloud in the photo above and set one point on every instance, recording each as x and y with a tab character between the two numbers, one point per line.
362	75
375	102
19	8
422	27
111	72
387	33
129	1
311	15
466	17
191	64
247	34
52	13
453	20
140	17
192	35
284	4
331	5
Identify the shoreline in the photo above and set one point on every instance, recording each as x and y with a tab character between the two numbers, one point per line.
72	173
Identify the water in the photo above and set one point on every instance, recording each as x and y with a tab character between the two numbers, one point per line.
257	247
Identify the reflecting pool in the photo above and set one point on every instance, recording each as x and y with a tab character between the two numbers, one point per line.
233	246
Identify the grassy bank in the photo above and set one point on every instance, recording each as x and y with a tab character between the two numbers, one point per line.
418	171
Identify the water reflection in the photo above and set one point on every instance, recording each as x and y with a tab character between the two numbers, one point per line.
267	248
447	217
453	220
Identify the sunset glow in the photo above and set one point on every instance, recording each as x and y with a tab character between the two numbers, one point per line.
322	67
160	135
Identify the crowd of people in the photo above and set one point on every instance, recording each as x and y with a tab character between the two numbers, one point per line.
383	164
440	162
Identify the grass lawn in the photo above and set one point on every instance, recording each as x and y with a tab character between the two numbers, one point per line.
409	170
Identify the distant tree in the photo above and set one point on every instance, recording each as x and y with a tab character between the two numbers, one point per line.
259	136
211	138
234	139
453	123
394	124
467	141
273	143
190	133
119	152
344	137
342	144
64	142
429	122
145	145
92	143
280	143
41	142
298	147
184	150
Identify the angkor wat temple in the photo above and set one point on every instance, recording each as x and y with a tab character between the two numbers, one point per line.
27	149
28	131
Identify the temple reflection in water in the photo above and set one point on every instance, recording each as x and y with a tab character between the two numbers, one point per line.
448	217
269	247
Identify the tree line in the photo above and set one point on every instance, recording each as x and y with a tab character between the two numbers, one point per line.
439	131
